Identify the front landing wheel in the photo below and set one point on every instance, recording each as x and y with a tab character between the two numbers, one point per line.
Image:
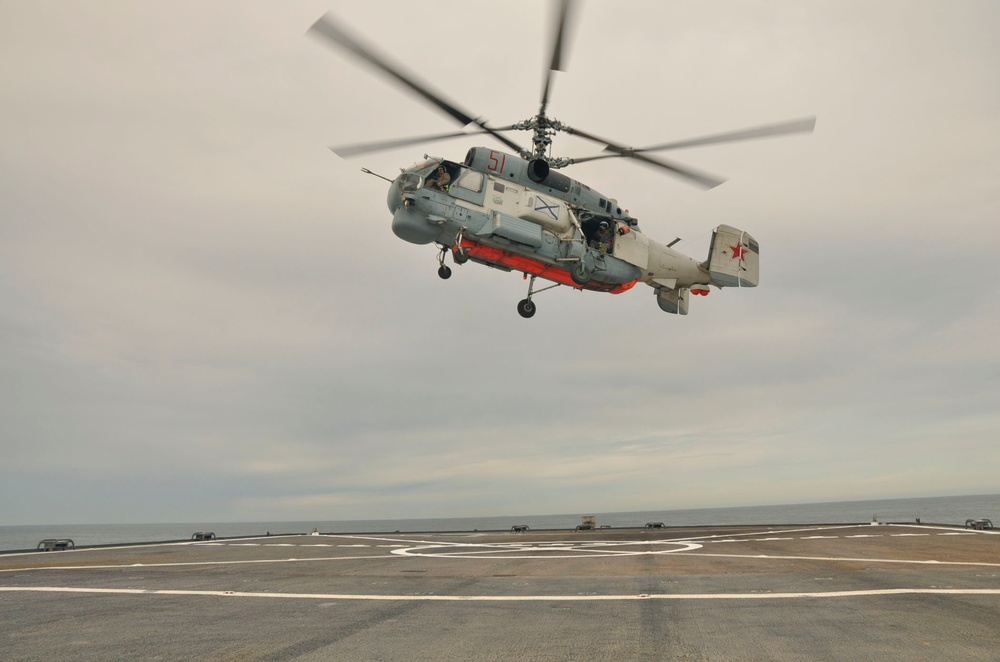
444	272
526	308
580	273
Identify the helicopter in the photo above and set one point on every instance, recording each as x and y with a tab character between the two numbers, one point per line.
512	210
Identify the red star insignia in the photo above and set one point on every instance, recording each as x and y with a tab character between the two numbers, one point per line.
738	251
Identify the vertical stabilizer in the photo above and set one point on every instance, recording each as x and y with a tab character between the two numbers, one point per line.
674	302
734	258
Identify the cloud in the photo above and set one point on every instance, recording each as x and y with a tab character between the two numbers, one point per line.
203	311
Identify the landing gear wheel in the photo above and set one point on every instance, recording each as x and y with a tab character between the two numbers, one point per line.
444	272
526	308
580	273
461	256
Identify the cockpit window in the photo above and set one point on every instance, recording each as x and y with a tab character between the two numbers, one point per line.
409	182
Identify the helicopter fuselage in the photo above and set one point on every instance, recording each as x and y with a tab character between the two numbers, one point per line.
492	211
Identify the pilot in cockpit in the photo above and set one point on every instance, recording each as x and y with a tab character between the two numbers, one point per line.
439	180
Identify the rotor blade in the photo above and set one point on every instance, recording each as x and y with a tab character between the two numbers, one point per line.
557	51
325	28
597	157
797	126
703	179
347	151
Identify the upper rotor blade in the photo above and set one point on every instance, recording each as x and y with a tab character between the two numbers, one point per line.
557	50
347	151
700	178
326	28
797	126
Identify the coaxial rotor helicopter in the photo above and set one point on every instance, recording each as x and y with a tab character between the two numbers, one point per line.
515	212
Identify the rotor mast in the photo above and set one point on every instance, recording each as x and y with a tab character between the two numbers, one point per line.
544	127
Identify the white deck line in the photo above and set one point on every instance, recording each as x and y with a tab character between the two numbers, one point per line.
510	598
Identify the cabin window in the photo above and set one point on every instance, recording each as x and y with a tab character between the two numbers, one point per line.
498	187
603	203
472	181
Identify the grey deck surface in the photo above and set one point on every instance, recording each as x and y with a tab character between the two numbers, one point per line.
711	593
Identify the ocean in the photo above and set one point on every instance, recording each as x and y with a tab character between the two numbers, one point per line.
929	510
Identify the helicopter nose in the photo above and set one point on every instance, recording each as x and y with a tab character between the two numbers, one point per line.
407	182
395	197
410	225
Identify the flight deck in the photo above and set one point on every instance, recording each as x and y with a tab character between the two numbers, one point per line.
887	592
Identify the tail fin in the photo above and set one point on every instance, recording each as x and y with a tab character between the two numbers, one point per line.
674	302
733	258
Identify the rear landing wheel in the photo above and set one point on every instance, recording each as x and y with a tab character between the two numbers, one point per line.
526	308
461	256
444	272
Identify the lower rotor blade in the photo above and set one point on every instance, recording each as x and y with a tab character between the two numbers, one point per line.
784	128
348	151
703	179
700	178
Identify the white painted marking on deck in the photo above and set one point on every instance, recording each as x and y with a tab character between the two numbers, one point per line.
510	598
191	564
781	557
547	550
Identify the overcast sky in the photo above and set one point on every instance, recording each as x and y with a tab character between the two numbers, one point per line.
205	316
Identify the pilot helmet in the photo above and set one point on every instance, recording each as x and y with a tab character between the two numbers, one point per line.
604	225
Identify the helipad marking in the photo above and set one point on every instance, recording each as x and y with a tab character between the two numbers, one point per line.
550	550
511	598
